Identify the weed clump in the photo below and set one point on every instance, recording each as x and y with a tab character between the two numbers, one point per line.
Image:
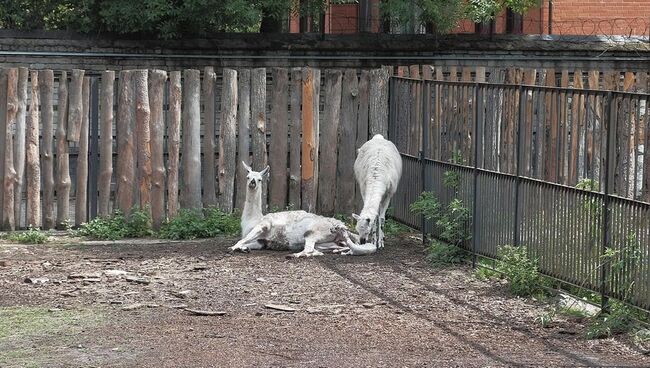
117	226
519	269
193	224
31	236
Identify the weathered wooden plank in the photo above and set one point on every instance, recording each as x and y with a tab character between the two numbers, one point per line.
552	129
344	202
3	136
75	108
310	129
63	181
295	144
106	143
46	80
563	130
157	81
414	102
427	72
577	115
228	141
143	135
19	144
191	157
628	146
258	124
33	174
173	142
362	124
593	134
278	146
402	71
378	102
209	148
81	186
243	122
328	140
467	124
529	76
125	125
414	71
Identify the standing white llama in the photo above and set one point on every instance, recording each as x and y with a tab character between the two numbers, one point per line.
378	169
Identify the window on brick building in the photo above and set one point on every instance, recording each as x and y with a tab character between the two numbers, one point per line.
514	22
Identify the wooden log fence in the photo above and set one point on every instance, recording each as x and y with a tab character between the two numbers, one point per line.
308	137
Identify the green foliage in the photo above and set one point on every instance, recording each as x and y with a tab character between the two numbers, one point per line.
347	220
618	320
117	226
454	222
193	224
519	269
484	273
439	253
31	236
451	179
486	10
427	205
394	228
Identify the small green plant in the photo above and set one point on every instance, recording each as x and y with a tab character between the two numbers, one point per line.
484	273
451	179
193	224
546	318
519	269
31	236
439	253
394	228
618	320
117	226
347	220
427	205
454	223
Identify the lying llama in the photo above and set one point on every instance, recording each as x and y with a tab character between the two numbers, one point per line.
293	230
378	168
252	212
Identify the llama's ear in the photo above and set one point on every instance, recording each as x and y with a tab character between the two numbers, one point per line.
248	168
356	217
266	170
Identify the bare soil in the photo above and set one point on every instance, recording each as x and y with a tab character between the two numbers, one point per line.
391	309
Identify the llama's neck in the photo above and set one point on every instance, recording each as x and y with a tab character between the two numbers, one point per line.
252	212
372	199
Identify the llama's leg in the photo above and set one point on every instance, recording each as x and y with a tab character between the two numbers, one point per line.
310	244
250	241
383	207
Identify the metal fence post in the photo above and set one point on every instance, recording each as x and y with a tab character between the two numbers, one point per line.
610	161
520	135
475	140
424	151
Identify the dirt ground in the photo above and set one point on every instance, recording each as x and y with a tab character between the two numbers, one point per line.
71	306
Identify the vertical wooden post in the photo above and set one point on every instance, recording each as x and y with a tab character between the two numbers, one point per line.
3	136
33	218
563	130
552	128
209	136
174	140
143	134
191	193
295	180
228	140
243	146
81	187
75	108
125	143
106	142
8	222
156	95
62	165
329	134
576	127
362	123
378	102
258	120
278	147
19	144
347	133
629	130
47	148
310	79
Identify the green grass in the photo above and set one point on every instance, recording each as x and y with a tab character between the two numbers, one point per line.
31	236
31	335
193	224
117	226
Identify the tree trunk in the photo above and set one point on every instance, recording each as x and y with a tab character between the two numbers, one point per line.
228	140
174	140
19	144
106	143
191	194
75	109
156	94
143	134
62	164
47	148
243	119
33	164
209	137
125	143
8	222
81	187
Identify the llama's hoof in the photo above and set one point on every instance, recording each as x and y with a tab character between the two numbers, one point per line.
305	254
239	249
341	250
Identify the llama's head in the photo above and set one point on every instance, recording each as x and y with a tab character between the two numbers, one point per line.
254	178
365	226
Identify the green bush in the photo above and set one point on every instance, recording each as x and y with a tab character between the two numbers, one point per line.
618	320
439	253
193	224
519	269
427	205
117	226
454	223
31	236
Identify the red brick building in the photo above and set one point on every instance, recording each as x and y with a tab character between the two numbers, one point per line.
558	17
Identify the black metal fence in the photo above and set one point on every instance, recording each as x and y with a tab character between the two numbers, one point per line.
558	170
